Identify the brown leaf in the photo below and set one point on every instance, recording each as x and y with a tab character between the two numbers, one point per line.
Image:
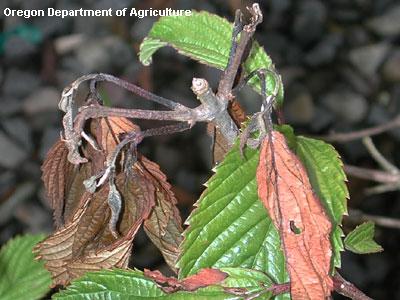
304	227
57	174
205	277
86	242
163	226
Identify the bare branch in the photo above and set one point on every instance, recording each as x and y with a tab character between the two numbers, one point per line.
228	77
372	174
378	157
358	216
347	289
355	135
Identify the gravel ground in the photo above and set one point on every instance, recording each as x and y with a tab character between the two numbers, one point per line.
340	62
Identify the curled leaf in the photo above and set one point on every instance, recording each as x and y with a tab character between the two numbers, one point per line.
304	227
204	278
101	220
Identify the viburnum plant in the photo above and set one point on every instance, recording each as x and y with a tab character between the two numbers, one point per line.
268	225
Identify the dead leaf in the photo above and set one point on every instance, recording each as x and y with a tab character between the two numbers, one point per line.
205	277
163	226
85	242
304	227
57	174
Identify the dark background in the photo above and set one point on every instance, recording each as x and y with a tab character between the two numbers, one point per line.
340	61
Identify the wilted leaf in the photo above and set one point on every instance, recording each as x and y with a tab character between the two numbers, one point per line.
132	284
230	226
207	38
361	239
325	171
164	225
304	227
57	175
204	278
101	226
21	277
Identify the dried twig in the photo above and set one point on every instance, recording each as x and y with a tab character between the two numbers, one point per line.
372	174
378	157
358	216
355	135
347	289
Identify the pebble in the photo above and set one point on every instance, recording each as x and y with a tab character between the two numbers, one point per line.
10	106
42	100
391	68
367	59
19	129
49	137
102	55
299	107
387	24
308	24
347	105
11	155
17	50
19	84
325	51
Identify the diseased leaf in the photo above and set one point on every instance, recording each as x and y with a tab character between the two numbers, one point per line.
204	278
132	284
164	225
361	239
230	226
304	227
57	173
327	177
206	38
101	225
21	277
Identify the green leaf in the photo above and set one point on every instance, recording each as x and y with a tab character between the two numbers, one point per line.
206	38
230	227
360	240
325	170
132	284
21	277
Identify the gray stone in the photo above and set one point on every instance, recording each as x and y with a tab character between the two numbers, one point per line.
299	108
20	131
348	106
94	55
367	59
391	68
10	106
309	21
19	83
42	100
324	52
22	193
18	49
322	119
11	155
387	24
50	136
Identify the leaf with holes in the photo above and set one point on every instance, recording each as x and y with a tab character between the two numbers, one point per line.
325	171
230	226
21	277
361	239
132	284
304	227
206	38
